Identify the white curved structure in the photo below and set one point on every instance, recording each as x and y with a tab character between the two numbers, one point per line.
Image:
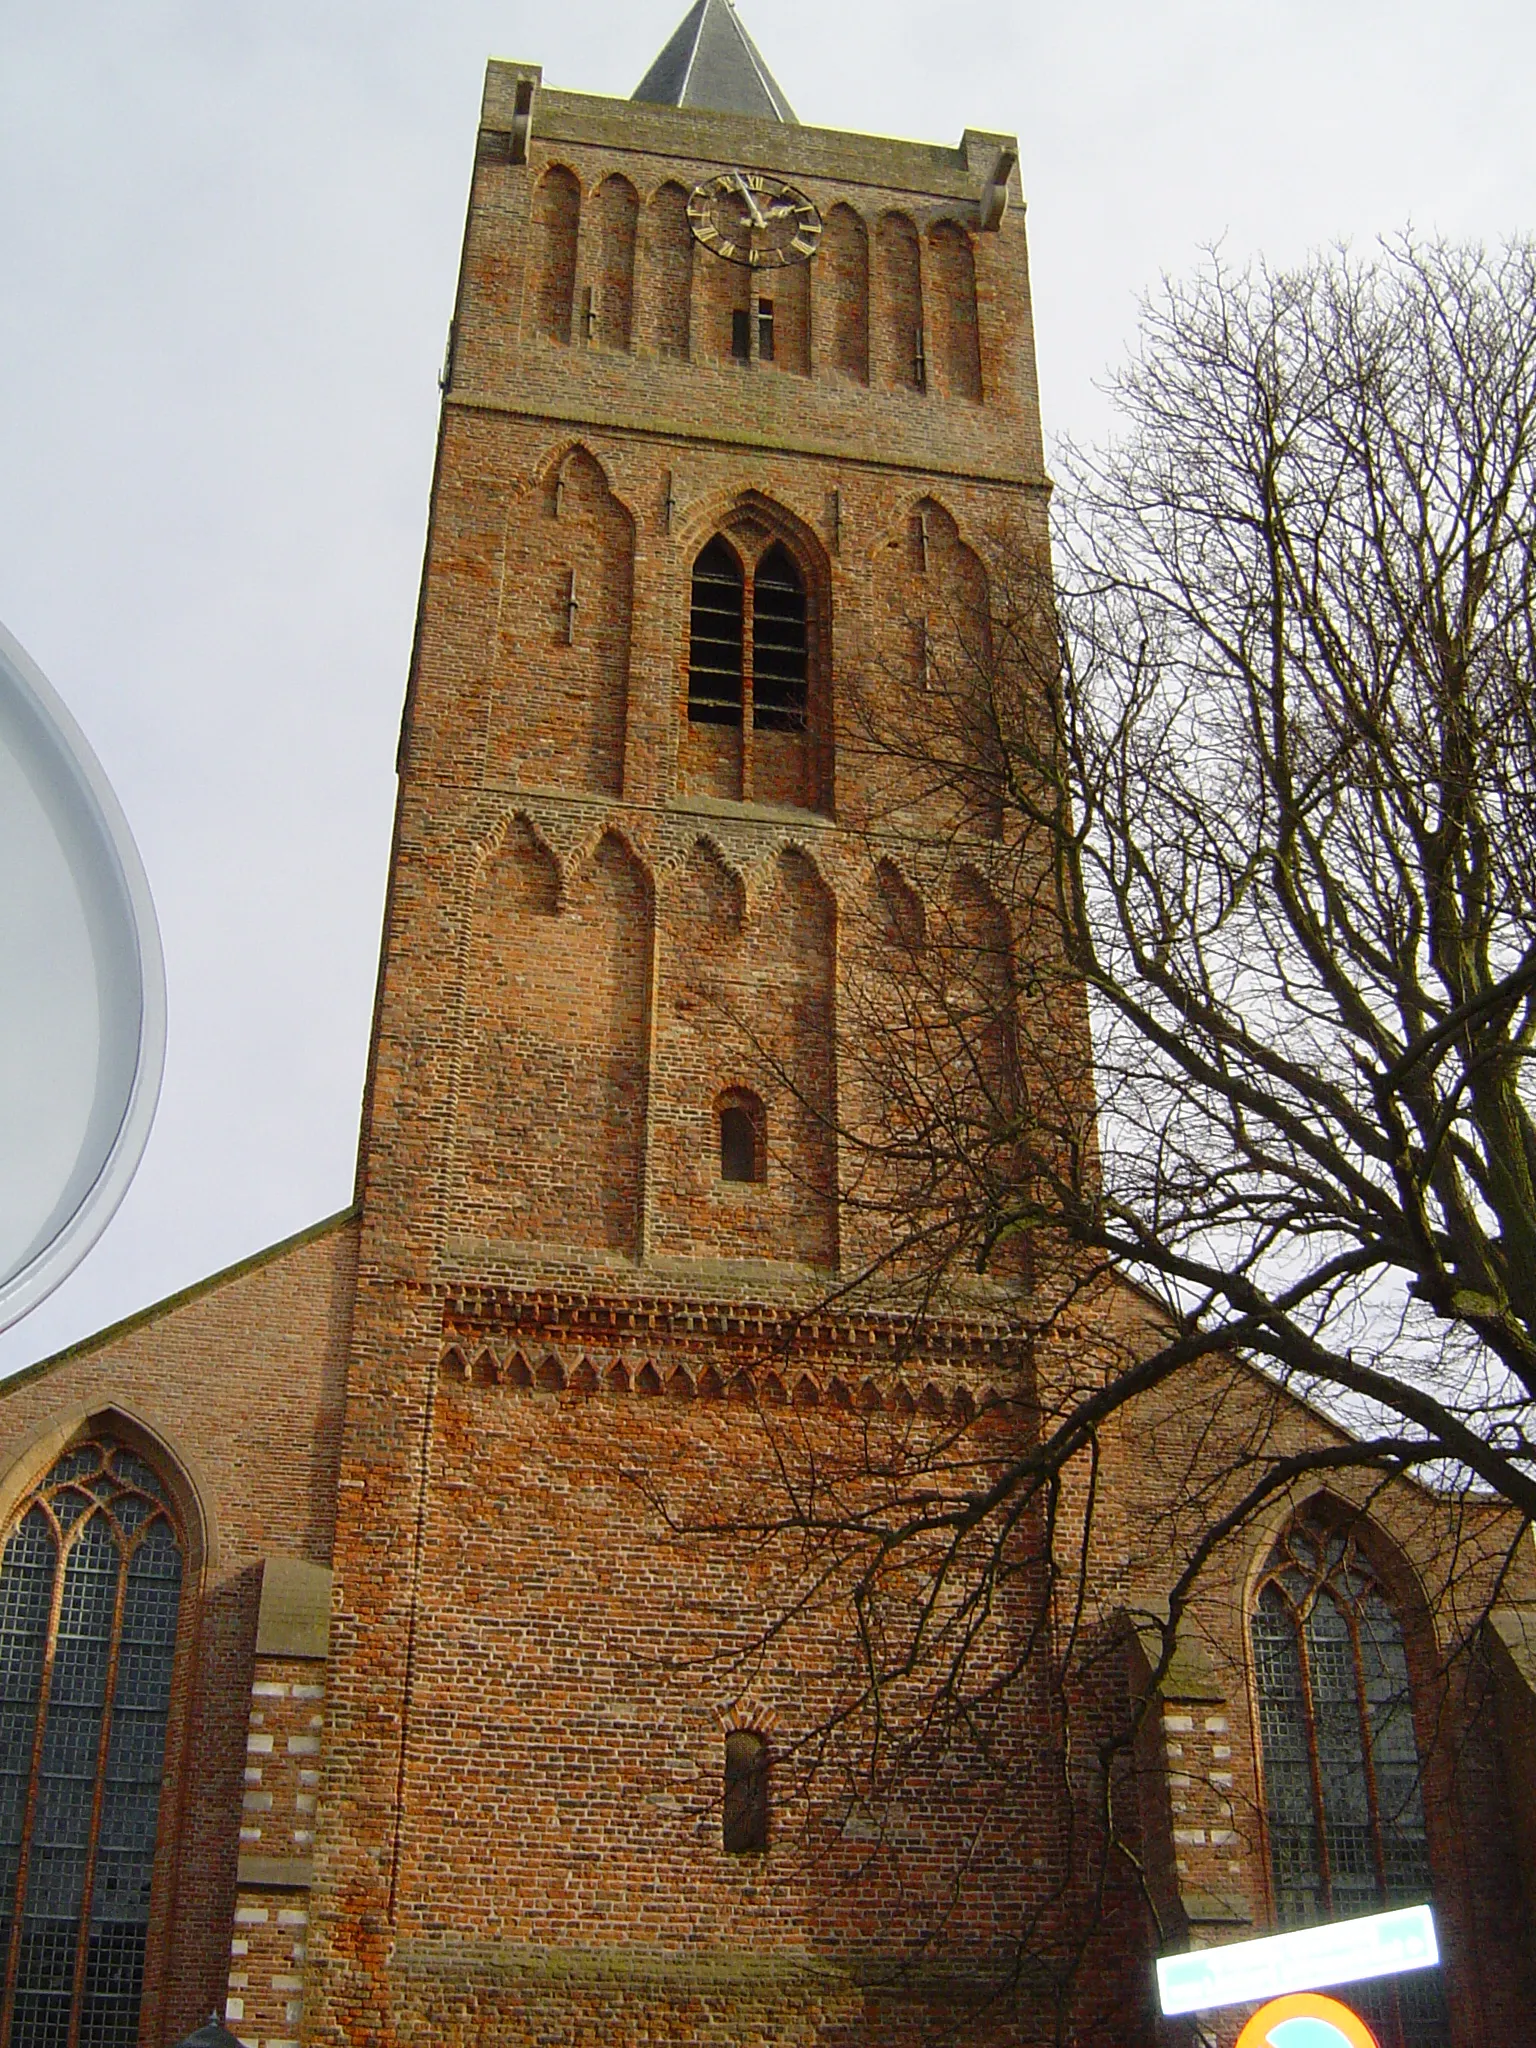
82	992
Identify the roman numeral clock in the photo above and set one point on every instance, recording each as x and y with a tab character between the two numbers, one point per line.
748	218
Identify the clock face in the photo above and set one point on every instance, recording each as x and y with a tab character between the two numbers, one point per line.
747	218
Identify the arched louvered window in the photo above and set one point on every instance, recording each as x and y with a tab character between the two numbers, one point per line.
715	637
1343	1793
778	644
90	1594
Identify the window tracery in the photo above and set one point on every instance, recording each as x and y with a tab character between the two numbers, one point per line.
90	1596
1343	1791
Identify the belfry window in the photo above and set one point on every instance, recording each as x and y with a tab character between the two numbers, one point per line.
778	644
1343	1793
744	1827
90	1594
715	638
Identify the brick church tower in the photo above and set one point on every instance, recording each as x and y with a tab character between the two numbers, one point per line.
723	397
453	1625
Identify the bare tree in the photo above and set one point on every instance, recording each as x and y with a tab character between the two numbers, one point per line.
1270	770
1247	784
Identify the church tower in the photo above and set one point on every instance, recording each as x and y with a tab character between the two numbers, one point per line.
568	1597
726	401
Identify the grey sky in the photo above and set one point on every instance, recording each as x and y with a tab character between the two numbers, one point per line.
228	237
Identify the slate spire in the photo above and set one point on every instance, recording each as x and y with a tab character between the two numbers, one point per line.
712	63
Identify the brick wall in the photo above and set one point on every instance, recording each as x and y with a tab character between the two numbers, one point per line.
576	1362
234	1389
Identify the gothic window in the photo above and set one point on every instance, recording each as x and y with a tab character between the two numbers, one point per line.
741	1136
715	638
754	730
1343	1793
745	1819
778	644
90	1592
716	664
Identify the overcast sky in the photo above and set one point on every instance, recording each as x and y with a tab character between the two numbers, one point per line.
228	237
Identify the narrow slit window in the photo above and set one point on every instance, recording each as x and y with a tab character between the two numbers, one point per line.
715	638
778	644
765	330
741	1142
745	1821
741	335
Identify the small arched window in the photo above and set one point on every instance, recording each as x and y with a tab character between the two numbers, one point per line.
778	644
742	1148
90	1596
744	1826
1343	1792
715	637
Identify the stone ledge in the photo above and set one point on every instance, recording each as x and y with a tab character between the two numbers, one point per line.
276	1874
742	1973
909	450
1216	1909
1515	1628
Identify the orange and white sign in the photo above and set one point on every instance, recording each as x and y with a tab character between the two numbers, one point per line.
1306	2019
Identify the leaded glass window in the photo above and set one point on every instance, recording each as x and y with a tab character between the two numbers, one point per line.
1343	1792
90	1593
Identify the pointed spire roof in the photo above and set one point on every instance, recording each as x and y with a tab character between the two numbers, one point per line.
712	63
212	2034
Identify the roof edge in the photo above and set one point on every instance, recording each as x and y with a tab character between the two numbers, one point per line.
84	1346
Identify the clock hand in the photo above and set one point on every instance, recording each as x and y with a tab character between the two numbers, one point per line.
752	206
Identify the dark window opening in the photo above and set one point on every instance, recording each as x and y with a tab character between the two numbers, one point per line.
765	330
1343	1793
90	1593
715	638
778	644
741	335
745	1824
741	1142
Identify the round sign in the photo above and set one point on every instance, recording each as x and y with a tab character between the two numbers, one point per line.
82	992
1305	2019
